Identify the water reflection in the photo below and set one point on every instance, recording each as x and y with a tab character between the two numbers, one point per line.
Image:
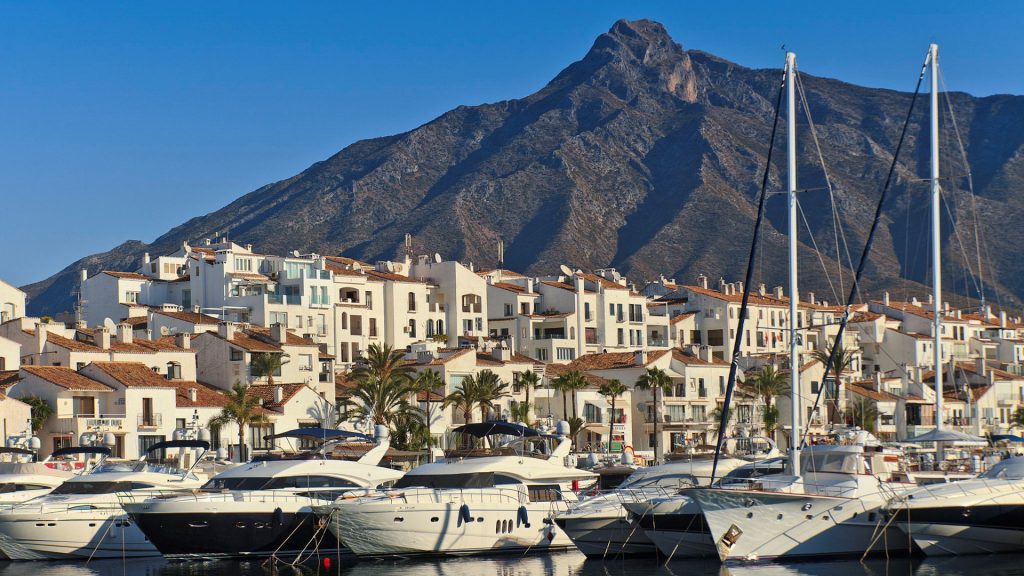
565	564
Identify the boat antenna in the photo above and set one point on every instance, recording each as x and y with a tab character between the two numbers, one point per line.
748	279
867	245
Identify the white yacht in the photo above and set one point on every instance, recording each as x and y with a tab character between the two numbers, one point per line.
83	518
23	478
674	524
263	507
833	508
498	499
599	526
977	516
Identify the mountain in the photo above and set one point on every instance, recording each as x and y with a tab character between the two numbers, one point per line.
646	157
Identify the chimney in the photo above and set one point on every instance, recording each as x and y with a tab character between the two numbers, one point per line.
278	394
529	285
878	381
279	333
124	333
640	358
183	340
945	306
579	285
1002	319
227	330
723	286
739	287
248	247
193	395
702	281
145	257
988	312
762	289
501	353
980	366
810	298
40	336
206	241
885	299
704	353
102	337
778	293
149	334
84	275
931	298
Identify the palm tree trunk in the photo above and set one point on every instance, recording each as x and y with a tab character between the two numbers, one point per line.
565	407
241	442
657	440
611	425
526	413
574	414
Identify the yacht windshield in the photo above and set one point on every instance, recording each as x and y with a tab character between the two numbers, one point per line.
1012	469
93	487
441	481
838	462
659	481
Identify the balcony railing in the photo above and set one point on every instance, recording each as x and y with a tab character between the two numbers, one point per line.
657	342
150	420
291	299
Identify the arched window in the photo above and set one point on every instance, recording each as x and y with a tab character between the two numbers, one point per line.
430	328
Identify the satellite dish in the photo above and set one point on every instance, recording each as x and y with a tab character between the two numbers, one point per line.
565	270
295	253
164	331
437	257
357	266
109	324
398	267
390	266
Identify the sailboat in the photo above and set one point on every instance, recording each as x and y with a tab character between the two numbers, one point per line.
829	502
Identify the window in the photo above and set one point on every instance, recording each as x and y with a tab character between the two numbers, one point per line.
715	338
173	371
508	309
179	423
344	320
321	325
467	325
85	406
306	362
542	355
586	311
721	385
622	337
279	318
256	434
148	417
131	297
369	300
243	264
591	335
146	442
815	387
237	355
545	493
412	301
566	353
524	308
479	324
412	328
373	327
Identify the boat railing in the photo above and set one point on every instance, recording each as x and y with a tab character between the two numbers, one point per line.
795	487
972	487
619	496
517	495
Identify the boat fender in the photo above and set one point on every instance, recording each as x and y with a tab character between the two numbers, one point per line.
465	516
278	518
522	517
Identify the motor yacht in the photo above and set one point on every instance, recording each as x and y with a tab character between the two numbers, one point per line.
976	516
23	478
83	518
263	507
674	524
498	496
599	525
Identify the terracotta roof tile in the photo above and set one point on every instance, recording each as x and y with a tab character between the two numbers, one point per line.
755	299
266	393
612	360
292	339
65	378
206	396
871	393
680	317
686	358
133	374
128	275
604	282
552	371
393	277
8	378
190	317
136	321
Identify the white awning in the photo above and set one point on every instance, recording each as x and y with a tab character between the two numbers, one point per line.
596	428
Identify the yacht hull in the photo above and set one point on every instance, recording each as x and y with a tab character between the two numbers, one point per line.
751	526
218	534
68	537
606	534
384	529
674	526
963	530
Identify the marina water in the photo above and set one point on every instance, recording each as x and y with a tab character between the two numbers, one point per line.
557	564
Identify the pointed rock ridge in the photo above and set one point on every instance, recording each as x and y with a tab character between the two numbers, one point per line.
637	57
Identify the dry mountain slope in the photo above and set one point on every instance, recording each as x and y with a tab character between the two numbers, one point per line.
641	156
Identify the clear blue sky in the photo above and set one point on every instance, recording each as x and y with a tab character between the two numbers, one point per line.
119	121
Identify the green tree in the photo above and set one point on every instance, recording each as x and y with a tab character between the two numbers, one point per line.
463	397
382	400
570	382
841	364
529	380
655	379
716	421
612	390
41	411
865	414
491	389
242	409
428	383
384	363
267	364
575	427
767	383
1017	418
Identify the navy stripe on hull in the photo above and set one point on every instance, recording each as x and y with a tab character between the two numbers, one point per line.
690	523
1010	517
236	535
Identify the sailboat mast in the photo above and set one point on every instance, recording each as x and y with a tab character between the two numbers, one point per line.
933	57
794	292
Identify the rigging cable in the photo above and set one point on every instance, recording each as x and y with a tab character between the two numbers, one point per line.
837	343
738	342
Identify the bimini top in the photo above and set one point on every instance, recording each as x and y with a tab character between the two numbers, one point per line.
948	436
22	451
80	450
1006	438
481	429
179	444
319	434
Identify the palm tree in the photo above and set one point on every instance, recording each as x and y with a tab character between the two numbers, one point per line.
382	401
520	412
427	383
767	383
490	389
531	381
266	364
575	427
865	414
242	409
655	379
571	381
384	362
41	411
1016	419
612	389
463	397
842	363
716	419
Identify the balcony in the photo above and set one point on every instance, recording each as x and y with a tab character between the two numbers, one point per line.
657	342
150	420
320	300
91	422
291	299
